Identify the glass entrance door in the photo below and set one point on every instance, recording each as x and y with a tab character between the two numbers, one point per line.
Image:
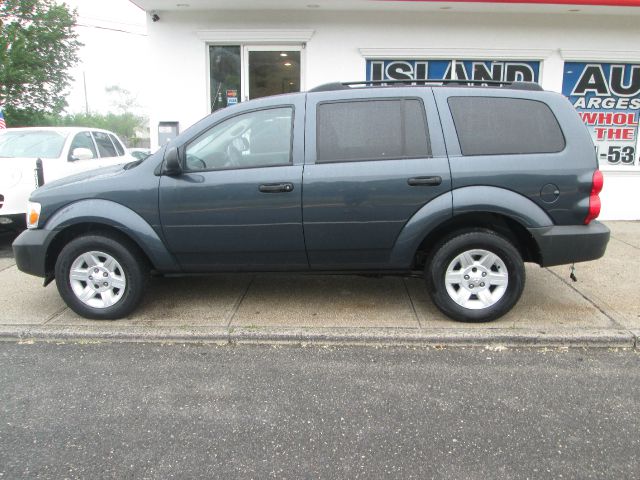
271	70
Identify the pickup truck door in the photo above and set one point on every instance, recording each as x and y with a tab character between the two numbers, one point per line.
237	204
371	164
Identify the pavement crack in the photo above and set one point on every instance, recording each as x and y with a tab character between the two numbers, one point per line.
592	302
413	306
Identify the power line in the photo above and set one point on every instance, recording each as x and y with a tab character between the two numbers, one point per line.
111	29
105	20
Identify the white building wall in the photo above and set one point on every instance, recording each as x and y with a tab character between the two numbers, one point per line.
179	89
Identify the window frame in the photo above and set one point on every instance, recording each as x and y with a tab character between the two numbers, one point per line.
185	146
401	99
453	119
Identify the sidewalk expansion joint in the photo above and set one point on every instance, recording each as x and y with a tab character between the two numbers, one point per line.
413	306
626	243
7	267
238	302
55	315
592	302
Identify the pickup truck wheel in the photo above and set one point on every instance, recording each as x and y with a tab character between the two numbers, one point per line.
100	277
476	276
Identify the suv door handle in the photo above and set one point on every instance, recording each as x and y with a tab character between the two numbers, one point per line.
276	187
424	181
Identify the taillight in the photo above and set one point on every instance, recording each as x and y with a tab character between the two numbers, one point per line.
594	200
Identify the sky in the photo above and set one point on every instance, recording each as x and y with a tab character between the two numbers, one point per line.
114	53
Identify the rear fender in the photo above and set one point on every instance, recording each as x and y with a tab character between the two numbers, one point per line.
500	201
467	200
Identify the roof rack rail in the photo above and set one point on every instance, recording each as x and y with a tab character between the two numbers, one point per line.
422	83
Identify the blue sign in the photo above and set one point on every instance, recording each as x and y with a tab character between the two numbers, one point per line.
495	70
607	97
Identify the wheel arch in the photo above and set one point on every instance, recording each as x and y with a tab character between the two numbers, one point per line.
502	224
504	211
113	219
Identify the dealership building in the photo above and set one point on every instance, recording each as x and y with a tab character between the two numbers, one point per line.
208	54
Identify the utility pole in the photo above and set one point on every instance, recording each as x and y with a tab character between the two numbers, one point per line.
86	101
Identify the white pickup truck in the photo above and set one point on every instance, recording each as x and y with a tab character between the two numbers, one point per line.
63	151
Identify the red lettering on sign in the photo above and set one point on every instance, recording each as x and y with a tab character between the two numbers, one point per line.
606	118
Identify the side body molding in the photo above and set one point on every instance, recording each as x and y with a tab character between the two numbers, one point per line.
501	201
423	221
120	217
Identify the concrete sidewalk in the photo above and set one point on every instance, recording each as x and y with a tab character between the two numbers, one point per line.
601	309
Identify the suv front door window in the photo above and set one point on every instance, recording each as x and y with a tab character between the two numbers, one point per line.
251	140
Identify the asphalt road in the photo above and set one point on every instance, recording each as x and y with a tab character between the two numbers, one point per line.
174	411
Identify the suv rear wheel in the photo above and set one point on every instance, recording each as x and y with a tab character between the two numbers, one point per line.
100	277
475	276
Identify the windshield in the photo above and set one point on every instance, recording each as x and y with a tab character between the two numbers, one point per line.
42	144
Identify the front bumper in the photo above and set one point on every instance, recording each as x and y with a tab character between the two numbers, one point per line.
12	221
30	251
560	245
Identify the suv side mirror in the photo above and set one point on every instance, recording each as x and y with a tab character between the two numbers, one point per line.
172	162
81	153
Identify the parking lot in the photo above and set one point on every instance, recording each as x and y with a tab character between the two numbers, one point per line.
602	308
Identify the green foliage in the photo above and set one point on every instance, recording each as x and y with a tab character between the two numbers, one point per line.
124	125
38	45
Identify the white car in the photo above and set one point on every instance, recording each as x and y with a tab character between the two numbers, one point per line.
63	150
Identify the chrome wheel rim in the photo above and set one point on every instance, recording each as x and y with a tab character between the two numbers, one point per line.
476	279
97	279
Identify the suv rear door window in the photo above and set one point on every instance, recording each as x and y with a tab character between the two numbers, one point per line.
505	126
349	131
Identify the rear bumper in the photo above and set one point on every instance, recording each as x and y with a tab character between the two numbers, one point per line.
30	250
561	245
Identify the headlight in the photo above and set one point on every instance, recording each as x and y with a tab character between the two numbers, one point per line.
33	214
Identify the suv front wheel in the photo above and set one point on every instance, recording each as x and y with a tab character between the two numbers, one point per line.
100	277
475	276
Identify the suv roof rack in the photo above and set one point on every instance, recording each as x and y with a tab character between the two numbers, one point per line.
427	82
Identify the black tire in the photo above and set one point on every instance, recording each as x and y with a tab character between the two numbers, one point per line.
133	266
456	245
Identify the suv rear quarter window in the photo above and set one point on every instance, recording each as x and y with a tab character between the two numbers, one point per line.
505	126
358	130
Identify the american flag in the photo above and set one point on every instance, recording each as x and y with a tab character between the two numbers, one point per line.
3	124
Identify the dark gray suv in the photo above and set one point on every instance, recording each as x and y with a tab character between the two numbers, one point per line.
461	184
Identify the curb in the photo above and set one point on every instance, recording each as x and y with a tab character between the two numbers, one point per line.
484	337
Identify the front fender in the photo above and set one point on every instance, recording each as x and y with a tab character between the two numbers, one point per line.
120	217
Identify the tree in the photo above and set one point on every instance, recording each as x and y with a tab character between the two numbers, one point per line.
38	45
